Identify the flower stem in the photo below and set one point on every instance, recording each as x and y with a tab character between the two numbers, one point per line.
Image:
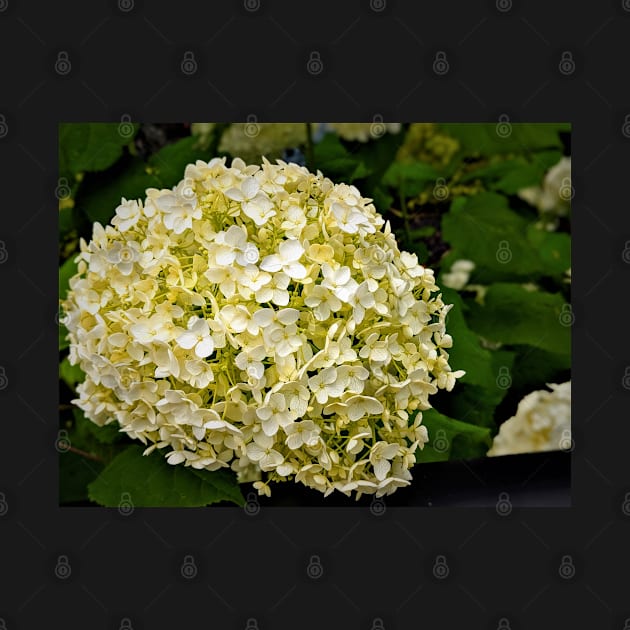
78	451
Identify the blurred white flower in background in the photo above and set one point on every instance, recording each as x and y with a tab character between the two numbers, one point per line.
542	423
459	274
363	132
554	196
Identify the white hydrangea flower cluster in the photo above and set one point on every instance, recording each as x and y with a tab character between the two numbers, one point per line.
262	318
542	423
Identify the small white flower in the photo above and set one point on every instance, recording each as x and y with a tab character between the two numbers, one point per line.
340	282
305	433
124	256
255	204
198	337
325	385
289	253
380	457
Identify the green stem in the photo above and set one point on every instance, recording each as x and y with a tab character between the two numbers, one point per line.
85	454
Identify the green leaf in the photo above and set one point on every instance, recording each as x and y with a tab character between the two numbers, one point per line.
382	200
467	353
451	439
483	139
63	341
168	164
553	249
90	146
99	196
66	221
89	431
152	482
502	244
70	374
533	367
329	148
410	178
513	315
518	178
75	473
335	161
